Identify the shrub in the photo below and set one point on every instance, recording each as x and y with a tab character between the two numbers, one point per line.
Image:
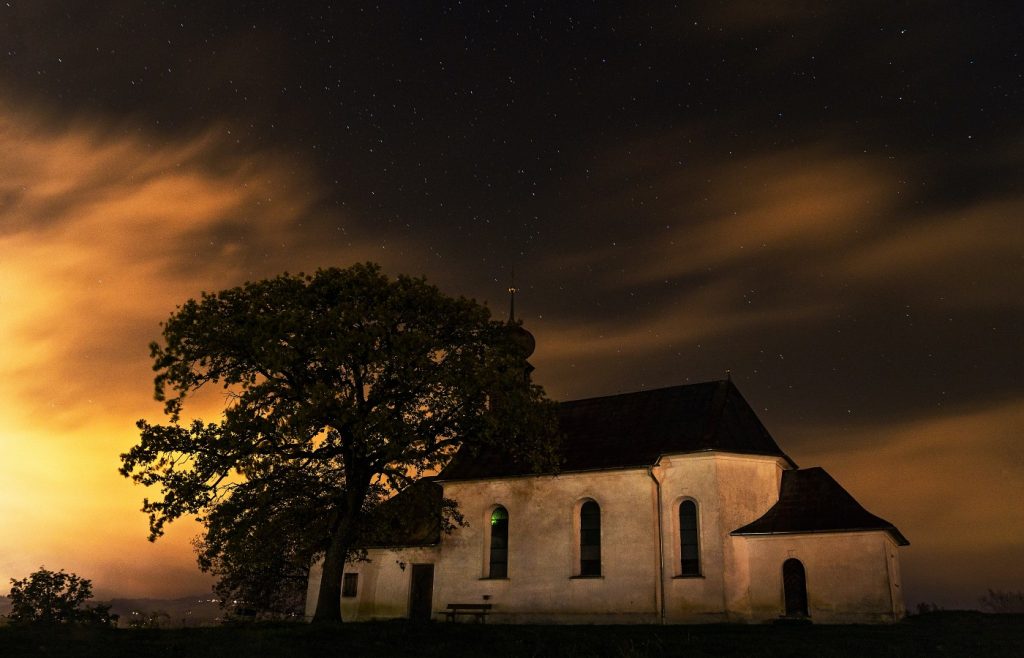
55	597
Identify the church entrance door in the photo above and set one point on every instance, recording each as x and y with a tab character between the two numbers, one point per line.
421	593
794	584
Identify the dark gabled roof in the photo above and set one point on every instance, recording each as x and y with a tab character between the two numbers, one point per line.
410	518
636	429
810	501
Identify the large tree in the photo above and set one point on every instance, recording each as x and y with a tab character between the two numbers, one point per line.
343	387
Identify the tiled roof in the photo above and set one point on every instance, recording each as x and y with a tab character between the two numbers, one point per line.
810	501
635	429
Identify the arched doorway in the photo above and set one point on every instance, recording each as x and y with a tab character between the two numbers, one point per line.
794	585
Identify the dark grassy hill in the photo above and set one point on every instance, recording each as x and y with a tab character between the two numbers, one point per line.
935	634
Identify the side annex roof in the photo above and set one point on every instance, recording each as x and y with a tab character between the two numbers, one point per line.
410	518
811	501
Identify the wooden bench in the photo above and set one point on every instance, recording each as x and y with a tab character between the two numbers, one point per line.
478	610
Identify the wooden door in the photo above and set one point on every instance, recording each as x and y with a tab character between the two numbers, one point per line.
421	592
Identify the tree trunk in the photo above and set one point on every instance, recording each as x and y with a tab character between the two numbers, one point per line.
328	605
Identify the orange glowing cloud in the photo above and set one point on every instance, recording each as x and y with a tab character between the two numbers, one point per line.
982	242
811	220
104	231
102	235
798	209
800	204
695	316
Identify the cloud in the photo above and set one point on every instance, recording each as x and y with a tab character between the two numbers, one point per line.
711	241
102	233
105	234
807	221
795	204
806	202
104	229
971	254
695	316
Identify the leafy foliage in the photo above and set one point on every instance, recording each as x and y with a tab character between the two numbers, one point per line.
344	387
98	615
55	597
260	540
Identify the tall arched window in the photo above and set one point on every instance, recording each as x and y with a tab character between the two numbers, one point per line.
590	539
499	544
689	549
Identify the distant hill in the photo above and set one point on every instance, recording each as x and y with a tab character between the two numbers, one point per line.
197	610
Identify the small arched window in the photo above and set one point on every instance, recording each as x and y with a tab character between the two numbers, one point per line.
590	539
689	549
499	544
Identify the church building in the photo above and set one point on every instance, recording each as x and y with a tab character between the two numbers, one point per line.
671	506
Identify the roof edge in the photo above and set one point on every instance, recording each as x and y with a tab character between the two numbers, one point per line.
896	535
728	387
631	467
397	546
640	392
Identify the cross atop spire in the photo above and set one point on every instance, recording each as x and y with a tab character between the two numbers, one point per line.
512	290
512	304
523	338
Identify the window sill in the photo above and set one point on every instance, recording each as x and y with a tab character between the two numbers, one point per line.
494	578
698	576
599	577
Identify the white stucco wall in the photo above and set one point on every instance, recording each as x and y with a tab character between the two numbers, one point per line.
729	491
543	549
852	577
383	587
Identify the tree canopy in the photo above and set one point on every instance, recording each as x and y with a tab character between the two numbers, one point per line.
55	597
343	387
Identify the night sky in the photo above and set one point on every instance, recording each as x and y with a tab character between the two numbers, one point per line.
824	200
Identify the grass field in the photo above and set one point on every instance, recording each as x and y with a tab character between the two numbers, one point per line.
935	634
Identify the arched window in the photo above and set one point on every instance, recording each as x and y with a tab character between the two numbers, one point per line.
590	539
689	549
794	587
499	544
